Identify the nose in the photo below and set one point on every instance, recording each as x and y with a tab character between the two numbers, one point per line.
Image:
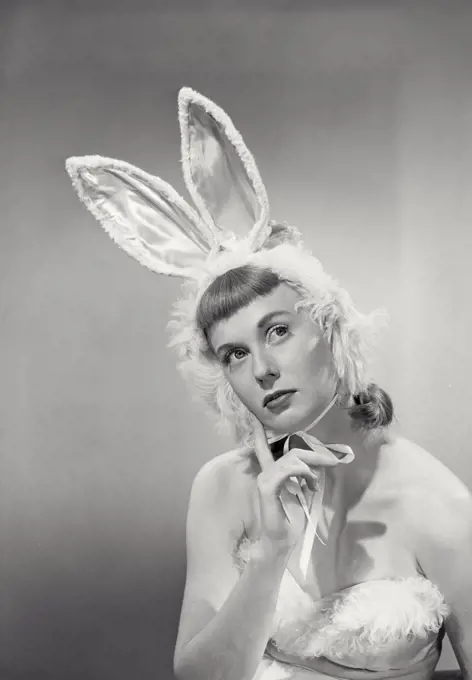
265	368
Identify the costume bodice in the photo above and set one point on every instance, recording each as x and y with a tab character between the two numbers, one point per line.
381	625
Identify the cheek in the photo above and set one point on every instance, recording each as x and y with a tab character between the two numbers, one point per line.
313	358
241	384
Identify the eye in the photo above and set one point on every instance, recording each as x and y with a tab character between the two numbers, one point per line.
278	331
234	355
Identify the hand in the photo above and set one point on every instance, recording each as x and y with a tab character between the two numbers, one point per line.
276	529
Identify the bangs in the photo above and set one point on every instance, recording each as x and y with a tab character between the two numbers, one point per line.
232	291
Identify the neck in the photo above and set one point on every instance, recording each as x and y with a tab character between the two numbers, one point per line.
333	426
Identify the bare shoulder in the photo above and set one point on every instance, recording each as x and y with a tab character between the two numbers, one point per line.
432	496
226	471
223	485
419	470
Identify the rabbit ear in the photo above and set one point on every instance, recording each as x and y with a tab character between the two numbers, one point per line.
143	214
219	170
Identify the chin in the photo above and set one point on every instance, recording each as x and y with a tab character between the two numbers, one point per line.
288	421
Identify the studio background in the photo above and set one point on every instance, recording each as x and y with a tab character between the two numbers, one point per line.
359	115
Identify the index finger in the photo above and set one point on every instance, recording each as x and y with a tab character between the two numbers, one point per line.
263	452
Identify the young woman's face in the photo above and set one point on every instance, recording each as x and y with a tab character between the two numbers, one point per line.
276	360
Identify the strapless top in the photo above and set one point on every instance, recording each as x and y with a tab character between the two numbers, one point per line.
382	627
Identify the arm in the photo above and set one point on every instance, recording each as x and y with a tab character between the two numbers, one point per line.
444	551
226	619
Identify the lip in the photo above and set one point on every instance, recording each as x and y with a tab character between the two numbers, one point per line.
276	398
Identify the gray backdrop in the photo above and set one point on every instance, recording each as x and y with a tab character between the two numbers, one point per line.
359	114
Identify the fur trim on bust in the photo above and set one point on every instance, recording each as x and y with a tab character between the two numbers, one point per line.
376	622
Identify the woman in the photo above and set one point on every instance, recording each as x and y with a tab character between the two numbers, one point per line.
323	546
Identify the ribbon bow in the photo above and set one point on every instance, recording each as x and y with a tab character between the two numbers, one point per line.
301	440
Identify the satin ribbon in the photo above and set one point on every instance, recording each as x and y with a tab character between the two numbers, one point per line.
293	486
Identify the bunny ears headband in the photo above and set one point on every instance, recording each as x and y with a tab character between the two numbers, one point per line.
230	227
148	219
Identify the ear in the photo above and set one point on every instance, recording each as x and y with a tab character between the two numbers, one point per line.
219	170
143	214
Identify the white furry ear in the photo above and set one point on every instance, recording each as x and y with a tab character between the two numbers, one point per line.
220	171
143	214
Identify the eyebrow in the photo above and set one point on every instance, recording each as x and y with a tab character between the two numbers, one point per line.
263	321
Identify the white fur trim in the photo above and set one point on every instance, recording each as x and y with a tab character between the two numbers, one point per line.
273	670
381	618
